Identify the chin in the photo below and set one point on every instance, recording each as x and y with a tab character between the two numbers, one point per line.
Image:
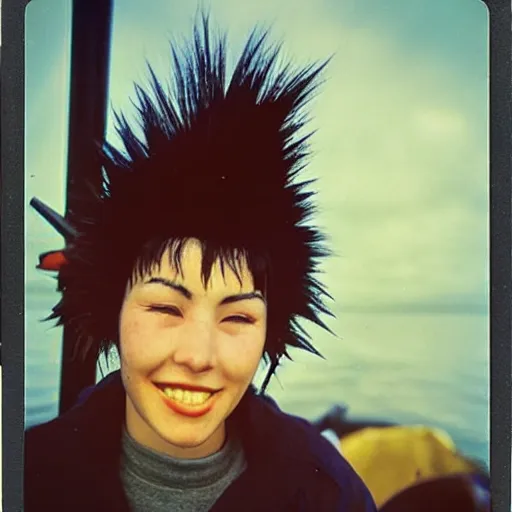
186	437
189	444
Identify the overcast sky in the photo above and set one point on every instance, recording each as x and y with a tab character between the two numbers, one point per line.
401	148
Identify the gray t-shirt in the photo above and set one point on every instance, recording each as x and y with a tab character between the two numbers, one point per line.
155	482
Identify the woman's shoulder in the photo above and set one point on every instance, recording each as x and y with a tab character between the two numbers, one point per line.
294	437
327	480
72	432
335	480
62	455
45	442
50	459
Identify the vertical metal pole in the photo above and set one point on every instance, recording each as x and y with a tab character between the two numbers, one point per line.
90	55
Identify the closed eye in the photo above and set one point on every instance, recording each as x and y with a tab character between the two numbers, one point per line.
239	319
166	310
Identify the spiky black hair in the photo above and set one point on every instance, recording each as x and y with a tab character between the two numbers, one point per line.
219	162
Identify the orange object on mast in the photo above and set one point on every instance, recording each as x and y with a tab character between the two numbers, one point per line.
52	260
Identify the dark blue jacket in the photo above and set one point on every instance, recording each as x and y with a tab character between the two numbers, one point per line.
72	462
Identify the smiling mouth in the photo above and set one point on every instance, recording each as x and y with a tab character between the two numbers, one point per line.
185	396
186	401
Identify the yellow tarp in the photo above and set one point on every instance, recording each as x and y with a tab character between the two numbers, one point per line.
391	459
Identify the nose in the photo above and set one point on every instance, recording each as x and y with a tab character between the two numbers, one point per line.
195	349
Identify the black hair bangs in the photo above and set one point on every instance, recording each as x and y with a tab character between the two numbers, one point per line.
232	258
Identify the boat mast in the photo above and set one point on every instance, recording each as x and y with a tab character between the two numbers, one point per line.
90	56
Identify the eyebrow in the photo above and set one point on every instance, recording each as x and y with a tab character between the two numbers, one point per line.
189	295
173	286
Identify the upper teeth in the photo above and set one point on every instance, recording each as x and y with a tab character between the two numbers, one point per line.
186	396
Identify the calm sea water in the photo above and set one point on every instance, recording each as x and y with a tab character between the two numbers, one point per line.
414	369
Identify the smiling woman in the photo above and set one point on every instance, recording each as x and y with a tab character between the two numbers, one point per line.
191	347
196	258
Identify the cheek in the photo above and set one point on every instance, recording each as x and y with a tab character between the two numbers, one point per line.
139	341
240	357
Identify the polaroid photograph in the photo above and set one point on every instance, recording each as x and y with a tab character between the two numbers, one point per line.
257	268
